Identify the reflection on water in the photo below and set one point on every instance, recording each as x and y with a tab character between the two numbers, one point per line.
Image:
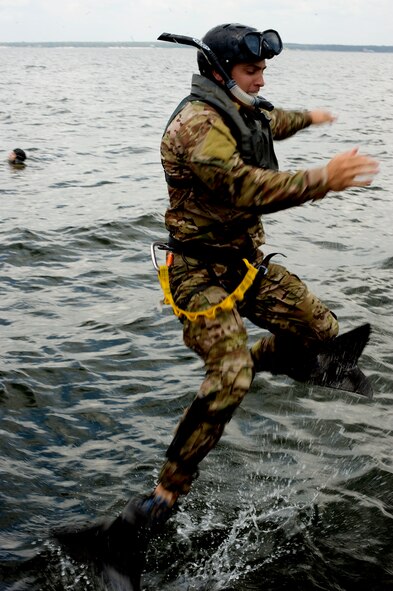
94	375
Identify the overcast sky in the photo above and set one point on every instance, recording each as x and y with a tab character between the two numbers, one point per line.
356	22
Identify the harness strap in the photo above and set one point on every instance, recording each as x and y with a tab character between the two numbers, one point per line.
225	306
179	183
197	249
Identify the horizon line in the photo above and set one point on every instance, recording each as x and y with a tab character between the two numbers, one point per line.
163	44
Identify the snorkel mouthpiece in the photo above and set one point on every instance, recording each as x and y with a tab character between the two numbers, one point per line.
239	94
247	99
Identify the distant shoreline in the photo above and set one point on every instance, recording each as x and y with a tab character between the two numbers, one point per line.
154	44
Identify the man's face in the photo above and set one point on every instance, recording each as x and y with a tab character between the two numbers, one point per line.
249	76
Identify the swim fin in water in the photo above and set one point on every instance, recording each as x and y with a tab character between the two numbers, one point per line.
337	366
333	364
117	547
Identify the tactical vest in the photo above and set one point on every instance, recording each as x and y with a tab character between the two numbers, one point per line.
249	127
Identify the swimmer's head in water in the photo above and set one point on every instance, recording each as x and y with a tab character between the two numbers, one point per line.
17	156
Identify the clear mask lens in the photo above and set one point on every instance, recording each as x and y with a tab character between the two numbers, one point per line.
263	45
271	42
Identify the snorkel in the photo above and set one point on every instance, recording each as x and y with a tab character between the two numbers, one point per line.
242	97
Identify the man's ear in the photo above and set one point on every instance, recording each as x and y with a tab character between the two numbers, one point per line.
218	77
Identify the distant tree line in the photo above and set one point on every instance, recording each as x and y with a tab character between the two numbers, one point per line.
299	46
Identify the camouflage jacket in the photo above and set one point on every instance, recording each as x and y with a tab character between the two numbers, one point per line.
216	196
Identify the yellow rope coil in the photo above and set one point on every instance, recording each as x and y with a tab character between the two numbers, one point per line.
226	305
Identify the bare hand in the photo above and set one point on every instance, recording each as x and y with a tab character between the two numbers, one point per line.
350	169
319	116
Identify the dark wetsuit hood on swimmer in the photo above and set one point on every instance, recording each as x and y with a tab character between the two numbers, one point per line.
17	157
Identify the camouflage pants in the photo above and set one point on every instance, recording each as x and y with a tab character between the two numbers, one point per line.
280	303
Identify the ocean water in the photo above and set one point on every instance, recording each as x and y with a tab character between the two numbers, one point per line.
298	494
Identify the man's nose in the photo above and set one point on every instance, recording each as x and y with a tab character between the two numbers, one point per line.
261	81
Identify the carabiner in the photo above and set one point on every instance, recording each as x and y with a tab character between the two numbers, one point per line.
160	246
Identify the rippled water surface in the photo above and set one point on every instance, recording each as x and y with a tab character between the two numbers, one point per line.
298	494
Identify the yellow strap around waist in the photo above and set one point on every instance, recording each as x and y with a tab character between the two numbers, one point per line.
226	305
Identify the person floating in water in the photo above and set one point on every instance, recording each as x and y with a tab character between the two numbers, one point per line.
17	157
222	175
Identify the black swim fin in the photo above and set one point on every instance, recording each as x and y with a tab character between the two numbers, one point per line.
337	365
116	547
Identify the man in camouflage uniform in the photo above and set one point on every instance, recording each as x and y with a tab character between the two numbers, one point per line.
222	175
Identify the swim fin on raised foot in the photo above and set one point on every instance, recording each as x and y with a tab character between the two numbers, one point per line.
337	365
116	546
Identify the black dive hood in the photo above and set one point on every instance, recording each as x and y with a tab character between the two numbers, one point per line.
242	97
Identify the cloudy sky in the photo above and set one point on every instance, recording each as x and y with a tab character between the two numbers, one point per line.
361	22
